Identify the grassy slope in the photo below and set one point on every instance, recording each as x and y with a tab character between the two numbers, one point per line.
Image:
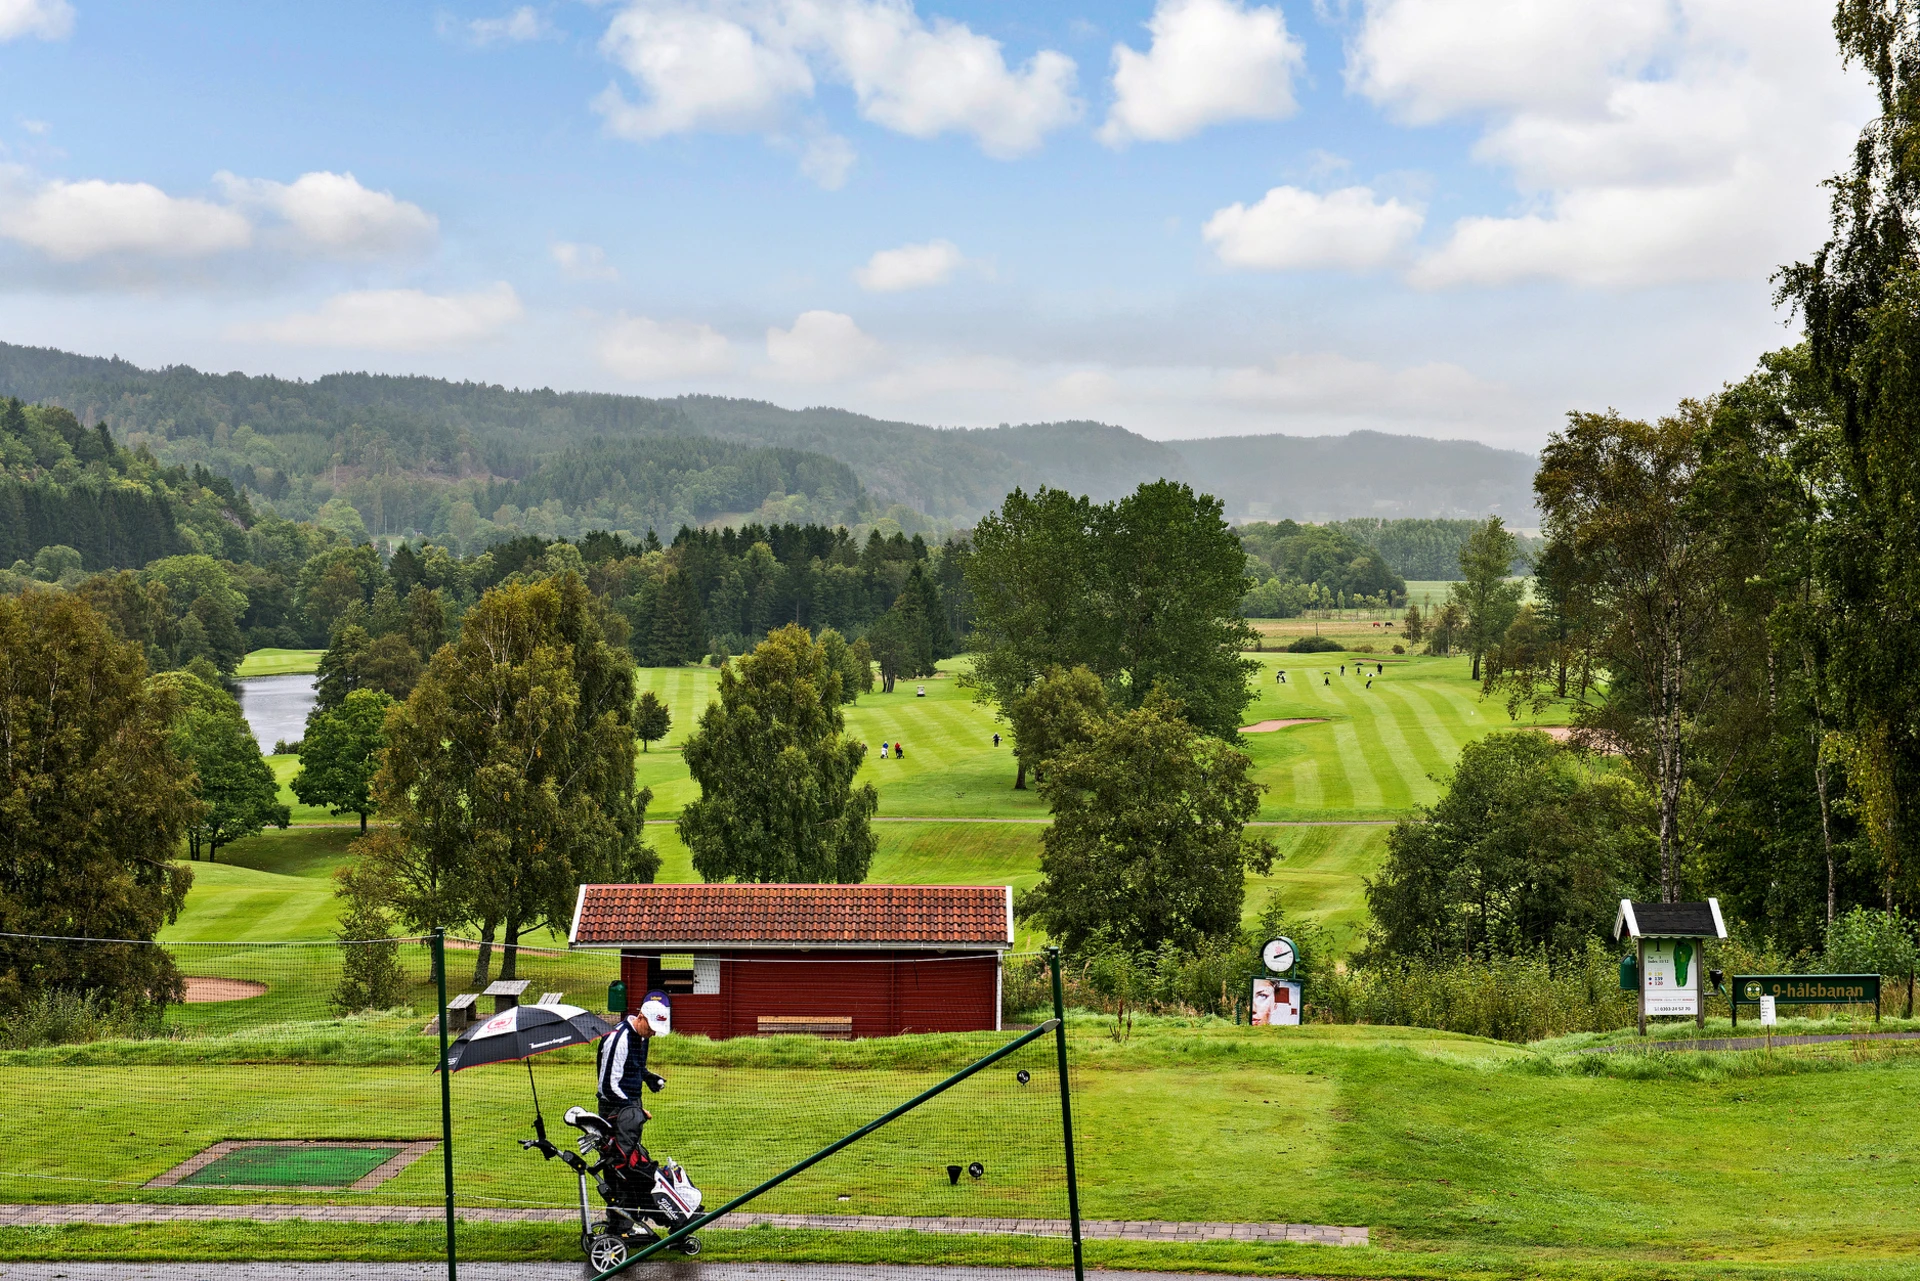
1465	1158
280	662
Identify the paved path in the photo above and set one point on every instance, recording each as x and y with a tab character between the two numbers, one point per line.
119	1215
675	1271
1750	1042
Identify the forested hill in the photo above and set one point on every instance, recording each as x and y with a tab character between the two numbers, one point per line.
473	460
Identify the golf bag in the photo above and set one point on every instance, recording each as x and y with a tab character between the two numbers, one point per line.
645	1199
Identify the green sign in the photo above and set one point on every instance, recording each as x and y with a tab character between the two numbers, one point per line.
1807	989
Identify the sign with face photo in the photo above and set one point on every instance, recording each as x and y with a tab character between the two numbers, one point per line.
1276	1003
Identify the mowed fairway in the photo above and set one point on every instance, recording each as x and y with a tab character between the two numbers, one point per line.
1380	746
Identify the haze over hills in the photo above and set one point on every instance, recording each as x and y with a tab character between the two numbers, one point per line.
471	460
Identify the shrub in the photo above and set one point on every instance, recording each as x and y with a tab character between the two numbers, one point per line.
1314	645
1399	649
65	1017
1866	941
1361	649
282	747
1509	998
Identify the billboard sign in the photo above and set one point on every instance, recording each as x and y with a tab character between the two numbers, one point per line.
1276	1003
1670	976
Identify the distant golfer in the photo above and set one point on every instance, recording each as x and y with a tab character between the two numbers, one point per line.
899	752
1379	669
1343	669
883	751
996	740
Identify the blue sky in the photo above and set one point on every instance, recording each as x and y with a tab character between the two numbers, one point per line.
1197	217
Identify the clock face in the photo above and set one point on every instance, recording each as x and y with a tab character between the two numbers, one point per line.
1278	955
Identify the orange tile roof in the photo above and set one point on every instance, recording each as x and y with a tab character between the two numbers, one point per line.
913	916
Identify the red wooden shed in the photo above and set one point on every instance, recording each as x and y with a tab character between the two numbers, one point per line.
831	960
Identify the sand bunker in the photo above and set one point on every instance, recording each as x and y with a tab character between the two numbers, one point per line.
1267	727
202	991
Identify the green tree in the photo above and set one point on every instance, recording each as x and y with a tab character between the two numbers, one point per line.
508	776
777	800
93	802
1485	597
1144	592
340	753
1530	846
1414	626
860	666
239	796
1859	297
1059	710
338	672
1616	495
1147	845
370	974
651	719
840	659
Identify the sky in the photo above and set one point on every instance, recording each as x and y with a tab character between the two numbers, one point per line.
1452	218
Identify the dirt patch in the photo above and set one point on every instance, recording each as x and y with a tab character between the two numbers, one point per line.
201	991
1267	727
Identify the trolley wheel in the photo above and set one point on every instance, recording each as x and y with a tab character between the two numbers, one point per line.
607	1251
689	1246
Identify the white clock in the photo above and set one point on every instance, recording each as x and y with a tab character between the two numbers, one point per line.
1278	955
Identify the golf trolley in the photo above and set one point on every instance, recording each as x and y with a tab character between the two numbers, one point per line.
645	1199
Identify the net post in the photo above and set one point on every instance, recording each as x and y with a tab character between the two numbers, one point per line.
1066	1110
446	1095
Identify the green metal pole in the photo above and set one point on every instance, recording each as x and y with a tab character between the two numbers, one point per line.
1066	1110
446	1096
830	1149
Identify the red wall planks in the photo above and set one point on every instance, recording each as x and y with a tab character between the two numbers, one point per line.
885	993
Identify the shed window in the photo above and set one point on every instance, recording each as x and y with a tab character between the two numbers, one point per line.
706	976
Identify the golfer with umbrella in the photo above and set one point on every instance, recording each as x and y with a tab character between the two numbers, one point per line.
520	1033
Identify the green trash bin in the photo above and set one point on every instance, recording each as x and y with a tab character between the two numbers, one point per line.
617	997
1629	974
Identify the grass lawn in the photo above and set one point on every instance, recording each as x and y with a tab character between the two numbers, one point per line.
1464	1157
280	662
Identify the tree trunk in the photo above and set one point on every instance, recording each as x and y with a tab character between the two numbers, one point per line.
1670	766
510	954
363	822
485	958
1826	818
1476	664
1020	778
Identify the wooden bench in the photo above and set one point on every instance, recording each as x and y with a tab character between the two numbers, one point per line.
506	993
552	998
830	1026
460	1010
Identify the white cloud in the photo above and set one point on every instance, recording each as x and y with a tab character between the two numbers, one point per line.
332	214
523	24
1429	59
1293	229
924	79
1329	382
46	19
1648	142
396	319
910	267
73	221
582	262
738	68
38	128
822	346
700	71
1210	61
650	350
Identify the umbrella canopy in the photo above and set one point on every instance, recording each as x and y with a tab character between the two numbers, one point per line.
523	1031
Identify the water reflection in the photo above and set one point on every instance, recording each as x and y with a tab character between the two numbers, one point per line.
276	707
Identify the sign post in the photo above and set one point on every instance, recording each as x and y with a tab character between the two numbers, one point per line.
1670	956
1805	989
1277	1000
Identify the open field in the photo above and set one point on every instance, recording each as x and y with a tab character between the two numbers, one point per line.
280	662
278	886
1463	1157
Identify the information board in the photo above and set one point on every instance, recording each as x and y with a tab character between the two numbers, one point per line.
1670	976
1276	1003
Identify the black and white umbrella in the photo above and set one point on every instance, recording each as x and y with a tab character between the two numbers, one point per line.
524	1031
516	1035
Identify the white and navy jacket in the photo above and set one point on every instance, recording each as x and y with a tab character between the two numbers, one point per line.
623	1068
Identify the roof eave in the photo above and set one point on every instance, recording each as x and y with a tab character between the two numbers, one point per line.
791	945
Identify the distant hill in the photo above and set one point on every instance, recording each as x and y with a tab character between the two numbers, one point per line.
433	456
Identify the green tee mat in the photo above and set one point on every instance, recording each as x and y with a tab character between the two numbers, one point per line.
286	1165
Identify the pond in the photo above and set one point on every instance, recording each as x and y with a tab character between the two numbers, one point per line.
276	707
